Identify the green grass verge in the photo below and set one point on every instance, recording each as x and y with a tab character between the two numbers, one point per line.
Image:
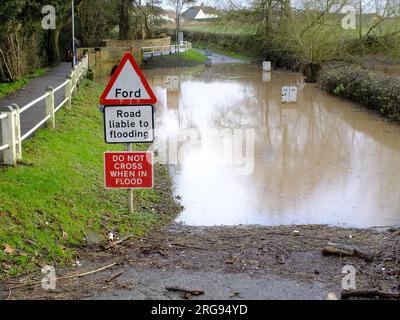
185	59
55	199
192	55
9	88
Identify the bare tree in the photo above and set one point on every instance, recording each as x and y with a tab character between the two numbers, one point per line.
313	34
178	6
97	18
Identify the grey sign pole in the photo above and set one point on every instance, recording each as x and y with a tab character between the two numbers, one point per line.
73	33
130	191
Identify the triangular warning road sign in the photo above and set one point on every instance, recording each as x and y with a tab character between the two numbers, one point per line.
128	86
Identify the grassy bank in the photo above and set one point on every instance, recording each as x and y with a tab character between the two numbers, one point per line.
9	88
187	59
370	89
55	202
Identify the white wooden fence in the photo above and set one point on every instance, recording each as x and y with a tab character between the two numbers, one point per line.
151	52
11	146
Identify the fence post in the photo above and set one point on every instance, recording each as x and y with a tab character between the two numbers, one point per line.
18	132
74	85
51	123
9	136
86	64
68	95
77	75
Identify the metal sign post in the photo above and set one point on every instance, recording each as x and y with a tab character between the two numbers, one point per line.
73	34
130	191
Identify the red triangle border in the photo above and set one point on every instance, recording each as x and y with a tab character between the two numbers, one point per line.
117	102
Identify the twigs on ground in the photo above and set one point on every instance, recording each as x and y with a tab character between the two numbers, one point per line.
32	283
192	292
115	276
120	241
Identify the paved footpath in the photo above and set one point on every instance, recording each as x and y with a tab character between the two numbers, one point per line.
33	90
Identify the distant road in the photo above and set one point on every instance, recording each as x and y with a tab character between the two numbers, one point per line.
217	58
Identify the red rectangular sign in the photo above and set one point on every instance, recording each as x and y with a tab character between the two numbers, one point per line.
128	170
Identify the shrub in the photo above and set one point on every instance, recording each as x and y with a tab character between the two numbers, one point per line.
372	90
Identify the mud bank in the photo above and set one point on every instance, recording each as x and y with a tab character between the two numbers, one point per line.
227	263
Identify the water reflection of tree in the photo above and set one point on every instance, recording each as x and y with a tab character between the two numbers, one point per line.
305	147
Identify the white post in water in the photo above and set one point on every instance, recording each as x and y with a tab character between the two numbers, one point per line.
289	94
267	66
293	94
130	191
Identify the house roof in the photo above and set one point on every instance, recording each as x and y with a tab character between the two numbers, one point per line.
170	13
192	12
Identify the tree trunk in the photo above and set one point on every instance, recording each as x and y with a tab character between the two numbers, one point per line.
10	75
311	72
177	27
124	20
53	50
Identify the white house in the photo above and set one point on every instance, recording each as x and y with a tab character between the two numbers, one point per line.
200	13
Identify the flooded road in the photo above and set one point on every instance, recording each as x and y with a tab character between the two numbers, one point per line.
240	156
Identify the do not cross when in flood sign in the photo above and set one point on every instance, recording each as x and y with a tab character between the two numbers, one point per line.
128	108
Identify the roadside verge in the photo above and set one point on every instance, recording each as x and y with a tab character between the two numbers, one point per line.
55	202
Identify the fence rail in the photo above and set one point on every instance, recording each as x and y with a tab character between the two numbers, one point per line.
11	146
151	52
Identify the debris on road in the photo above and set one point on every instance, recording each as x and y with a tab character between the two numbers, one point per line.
344	250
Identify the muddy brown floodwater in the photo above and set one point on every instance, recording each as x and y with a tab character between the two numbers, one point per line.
319	161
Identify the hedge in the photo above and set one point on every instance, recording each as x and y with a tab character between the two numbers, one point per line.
253	46
372	90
